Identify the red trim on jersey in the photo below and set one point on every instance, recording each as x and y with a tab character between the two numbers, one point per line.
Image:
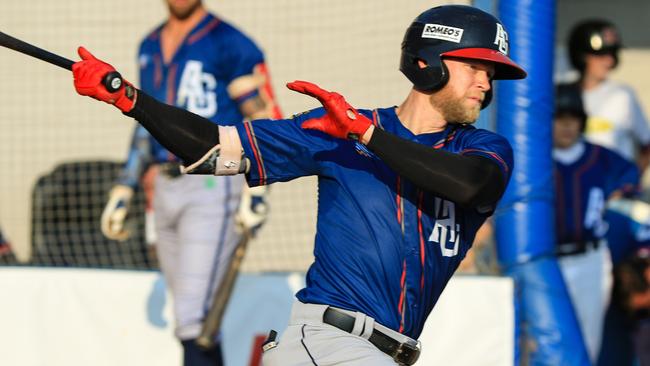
445	141
421	235
256	153
577	215
398	198
203	32
276	113
374	117
171	85
400	305
492	154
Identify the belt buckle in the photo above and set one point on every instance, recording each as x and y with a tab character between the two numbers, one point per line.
407	354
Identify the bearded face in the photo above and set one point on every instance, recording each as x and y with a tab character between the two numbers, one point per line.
455	108
461	99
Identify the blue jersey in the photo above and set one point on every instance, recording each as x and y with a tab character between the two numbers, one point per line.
196	78
582	189
383	246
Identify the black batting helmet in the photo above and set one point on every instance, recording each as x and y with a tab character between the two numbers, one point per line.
593	36
454	31
568	100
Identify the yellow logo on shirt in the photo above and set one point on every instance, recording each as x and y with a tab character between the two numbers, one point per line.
599	124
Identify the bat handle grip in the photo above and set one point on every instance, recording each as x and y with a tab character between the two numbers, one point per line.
112	81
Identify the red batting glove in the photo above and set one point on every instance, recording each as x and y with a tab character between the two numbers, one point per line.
341	120
88	80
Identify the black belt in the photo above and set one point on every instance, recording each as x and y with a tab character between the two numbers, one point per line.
402	353
564	249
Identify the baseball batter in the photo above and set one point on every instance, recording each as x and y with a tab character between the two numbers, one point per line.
402	190
616	119
586	177
201	63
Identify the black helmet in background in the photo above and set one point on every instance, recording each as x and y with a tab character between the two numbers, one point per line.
593	36
568	101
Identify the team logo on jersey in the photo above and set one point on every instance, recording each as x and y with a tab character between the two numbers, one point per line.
444	32
196	91
446	232
594	215
501	39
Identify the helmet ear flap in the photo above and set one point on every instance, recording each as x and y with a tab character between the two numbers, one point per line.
488	98
432	77
443	77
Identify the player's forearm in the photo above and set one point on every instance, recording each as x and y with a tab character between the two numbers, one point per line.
470	181
140	156
185	134
255	108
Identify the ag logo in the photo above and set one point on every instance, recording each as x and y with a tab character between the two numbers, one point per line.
501	39
594	214
196	91
446	231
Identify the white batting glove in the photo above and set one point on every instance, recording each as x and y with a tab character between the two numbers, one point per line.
253	209
115	212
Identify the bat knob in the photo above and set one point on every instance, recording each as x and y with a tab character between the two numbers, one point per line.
112	81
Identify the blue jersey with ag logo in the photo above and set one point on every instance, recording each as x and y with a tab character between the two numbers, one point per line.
383	246
582	189
212	55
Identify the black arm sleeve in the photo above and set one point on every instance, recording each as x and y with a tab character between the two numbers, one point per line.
184	133
471	181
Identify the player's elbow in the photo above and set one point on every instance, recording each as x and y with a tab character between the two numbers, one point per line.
483	187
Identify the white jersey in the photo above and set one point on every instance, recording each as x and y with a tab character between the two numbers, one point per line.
616	119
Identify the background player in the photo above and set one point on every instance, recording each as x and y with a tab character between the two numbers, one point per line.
633	292
586	177
402	190
627	322
201	63
6	253
616	119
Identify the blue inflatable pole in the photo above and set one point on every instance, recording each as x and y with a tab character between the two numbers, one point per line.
548	332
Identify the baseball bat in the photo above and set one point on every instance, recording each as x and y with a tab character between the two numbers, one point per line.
112	81
212	321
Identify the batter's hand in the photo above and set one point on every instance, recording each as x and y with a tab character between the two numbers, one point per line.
115	212
89	75
341	120
253	209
